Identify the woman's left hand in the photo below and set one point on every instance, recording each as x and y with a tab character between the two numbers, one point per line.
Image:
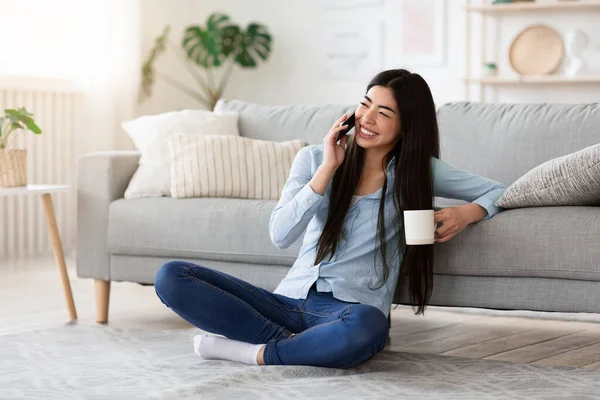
454	219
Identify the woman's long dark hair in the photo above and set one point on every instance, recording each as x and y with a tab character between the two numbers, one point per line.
413	183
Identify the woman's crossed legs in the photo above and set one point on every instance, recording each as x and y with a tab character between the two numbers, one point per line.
319	330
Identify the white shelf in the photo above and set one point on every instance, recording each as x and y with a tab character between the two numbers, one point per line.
573	5
545	79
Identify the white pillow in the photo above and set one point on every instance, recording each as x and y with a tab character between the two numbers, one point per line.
150	136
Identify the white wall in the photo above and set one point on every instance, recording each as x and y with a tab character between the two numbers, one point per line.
293	74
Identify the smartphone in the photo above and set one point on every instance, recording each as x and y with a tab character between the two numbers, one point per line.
350	122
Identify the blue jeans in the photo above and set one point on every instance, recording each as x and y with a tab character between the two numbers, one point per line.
329	332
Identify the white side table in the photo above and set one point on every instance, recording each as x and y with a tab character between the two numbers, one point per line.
45	192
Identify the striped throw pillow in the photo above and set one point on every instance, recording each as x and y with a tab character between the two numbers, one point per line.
229	166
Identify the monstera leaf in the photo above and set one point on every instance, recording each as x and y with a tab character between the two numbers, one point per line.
210	46
256	41
231	37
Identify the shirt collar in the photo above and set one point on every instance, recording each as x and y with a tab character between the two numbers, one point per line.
391	164
390	172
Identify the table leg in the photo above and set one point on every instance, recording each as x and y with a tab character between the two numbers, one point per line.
58	253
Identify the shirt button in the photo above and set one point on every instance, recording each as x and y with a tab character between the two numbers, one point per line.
297	220
310	201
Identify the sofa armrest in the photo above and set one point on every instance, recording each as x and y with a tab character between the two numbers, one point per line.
102	177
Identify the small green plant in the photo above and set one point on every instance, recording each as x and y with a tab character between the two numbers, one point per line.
13	121
219	44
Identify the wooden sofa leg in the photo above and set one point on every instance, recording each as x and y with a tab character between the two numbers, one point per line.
102	297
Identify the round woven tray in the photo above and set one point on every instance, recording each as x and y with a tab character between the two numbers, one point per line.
537	50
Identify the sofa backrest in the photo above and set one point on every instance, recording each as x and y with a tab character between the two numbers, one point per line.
281	123
504	141
498	141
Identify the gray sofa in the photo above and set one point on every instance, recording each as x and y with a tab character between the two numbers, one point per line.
545	258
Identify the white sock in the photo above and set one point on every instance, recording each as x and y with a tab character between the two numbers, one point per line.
221	348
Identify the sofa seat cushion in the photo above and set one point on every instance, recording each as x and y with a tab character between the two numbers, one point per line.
550	242
206	228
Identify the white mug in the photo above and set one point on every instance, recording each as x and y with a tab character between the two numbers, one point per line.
419	227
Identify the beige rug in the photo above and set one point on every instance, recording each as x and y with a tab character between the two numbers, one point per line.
100	362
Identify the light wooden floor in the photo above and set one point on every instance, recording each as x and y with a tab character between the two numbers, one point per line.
31	298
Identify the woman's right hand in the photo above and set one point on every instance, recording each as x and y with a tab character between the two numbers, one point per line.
333	153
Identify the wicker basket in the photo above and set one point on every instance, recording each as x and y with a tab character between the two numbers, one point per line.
13	168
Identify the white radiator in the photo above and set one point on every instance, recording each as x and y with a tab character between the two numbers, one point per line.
51	159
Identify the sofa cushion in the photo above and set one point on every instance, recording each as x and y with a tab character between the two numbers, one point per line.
149	133
281	123
544	242
570	180
504	141
228	166
499	141
206	228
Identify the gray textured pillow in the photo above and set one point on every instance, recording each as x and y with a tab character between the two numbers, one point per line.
571	180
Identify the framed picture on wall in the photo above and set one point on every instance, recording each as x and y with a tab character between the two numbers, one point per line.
349	53
423	33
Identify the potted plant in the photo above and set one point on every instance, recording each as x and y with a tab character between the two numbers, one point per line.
220	44
13	162
490	69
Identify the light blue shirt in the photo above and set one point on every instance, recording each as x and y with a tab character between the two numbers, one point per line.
357	263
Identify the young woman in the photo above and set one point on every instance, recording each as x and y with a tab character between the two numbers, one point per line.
332	308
